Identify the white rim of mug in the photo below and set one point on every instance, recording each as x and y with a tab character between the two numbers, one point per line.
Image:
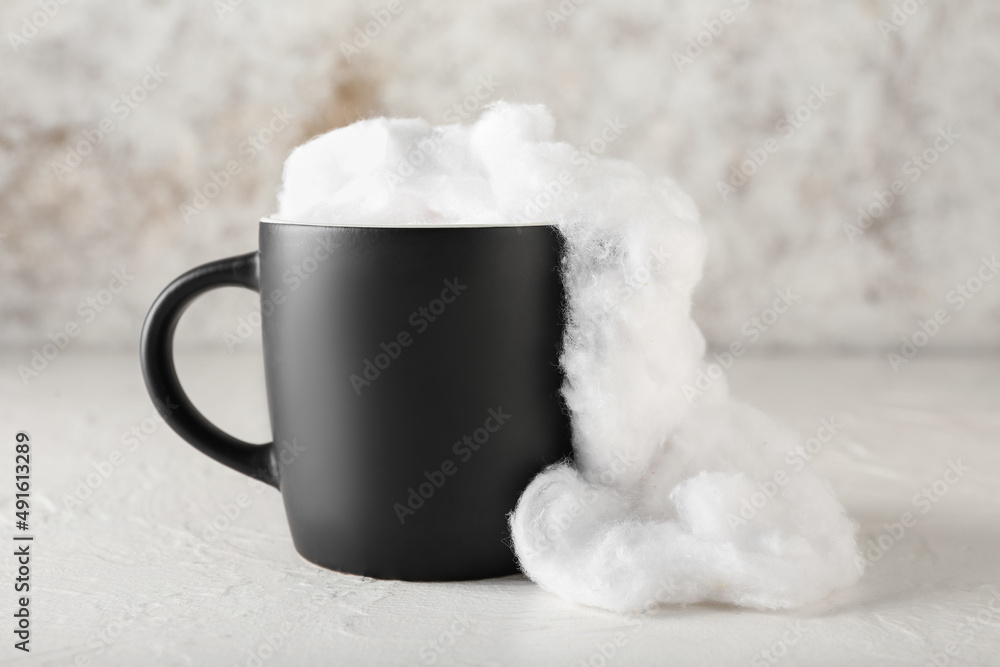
407	225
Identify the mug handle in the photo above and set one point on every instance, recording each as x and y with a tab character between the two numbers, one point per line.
156	354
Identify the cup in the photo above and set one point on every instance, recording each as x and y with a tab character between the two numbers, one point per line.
413	385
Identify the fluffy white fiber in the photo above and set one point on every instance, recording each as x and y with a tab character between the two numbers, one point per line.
673	497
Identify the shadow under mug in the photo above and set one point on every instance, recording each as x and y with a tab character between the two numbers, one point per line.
412	381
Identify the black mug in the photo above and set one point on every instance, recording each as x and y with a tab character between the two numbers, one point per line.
413	385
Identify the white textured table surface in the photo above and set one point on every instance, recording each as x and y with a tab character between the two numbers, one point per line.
128	575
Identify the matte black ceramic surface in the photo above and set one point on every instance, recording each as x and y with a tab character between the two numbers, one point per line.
413	385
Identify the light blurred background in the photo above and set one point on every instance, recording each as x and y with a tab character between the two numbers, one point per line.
225	70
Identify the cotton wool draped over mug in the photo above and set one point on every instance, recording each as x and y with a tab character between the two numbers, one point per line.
650	513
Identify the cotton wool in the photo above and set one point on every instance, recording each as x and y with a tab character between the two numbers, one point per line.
654	509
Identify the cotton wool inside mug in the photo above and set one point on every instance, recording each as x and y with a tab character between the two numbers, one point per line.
413	382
